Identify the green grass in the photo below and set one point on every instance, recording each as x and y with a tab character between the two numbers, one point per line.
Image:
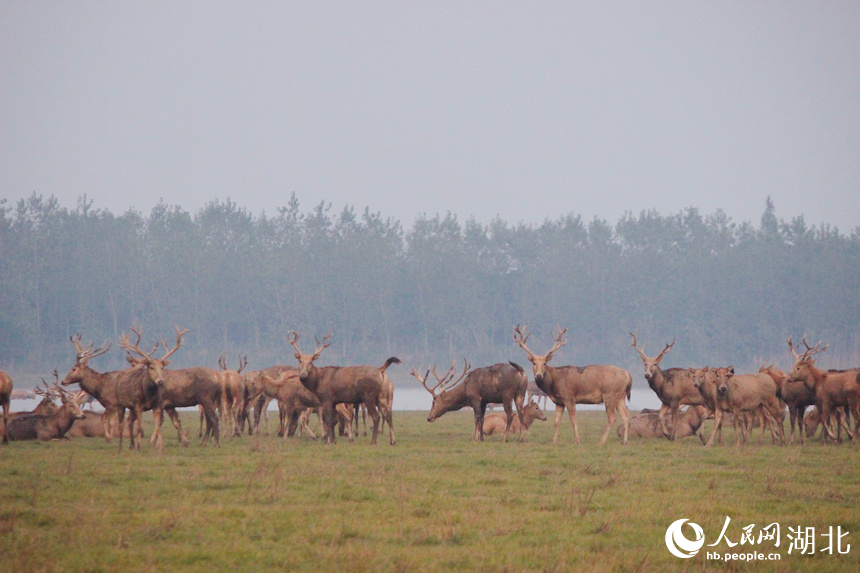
435	501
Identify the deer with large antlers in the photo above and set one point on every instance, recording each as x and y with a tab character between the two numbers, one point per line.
53	425
185	388
833	389
335	385
102	386
503	384
568	386
674	386
141	390
5	397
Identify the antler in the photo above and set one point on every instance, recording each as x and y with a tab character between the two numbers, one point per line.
557	341
243	361
222	362
641	351
326	342
659	357
126	344
810	351
520	337
84	354
293	339
424	378
446	380
179	335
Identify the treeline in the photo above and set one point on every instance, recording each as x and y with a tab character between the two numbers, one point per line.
727	292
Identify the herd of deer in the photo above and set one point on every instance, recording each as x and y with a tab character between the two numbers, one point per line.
337	394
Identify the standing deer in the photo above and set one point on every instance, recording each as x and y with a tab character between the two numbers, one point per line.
5	396
52	426
232	395
293	399
568	386
833	389
335	385
745	395
795	394
102	386
497	384
674	386
141	390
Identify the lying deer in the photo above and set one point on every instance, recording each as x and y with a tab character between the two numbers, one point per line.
52	426
495	423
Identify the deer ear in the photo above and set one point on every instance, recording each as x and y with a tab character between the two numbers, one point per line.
298	356
165	363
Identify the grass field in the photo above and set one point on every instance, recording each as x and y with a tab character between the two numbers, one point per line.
435	501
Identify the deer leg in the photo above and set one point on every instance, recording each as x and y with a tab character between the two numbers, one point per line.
661	417
212	426
388	415
625	419
5	421
519	403
718	423
571	413
509	418
120	416
559	410
329	417
373	412
177	423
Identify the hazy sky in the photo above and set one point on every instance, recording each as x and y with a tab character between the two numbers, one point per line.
525	110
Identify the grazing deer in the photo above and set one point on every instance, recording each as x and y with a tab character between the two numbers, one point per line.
344	384
568	386
53	426
497	423
833	389
674	386
796	396
5	396
497	384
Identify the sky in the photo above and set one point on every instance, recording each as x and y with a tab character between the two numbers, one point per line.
518	110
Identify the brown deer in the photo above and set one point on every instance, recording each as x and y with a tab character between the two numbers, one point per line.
497	384
568	386
293	399
344	384
141	389
833	389
256	400
52	426
5	397
102	386
497	423
744	395
646	424
796	396
674	386
232	395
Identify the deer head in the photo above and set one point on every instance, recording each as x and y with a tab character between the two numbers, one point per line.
306	361
444	384
803	363
539	362
154	366
82	357
652	365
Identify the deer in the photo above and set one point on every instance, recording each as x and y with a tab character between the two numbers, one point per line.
568	386
102	386
52	426
255	398
232	395
5	397
497	423
674	386
833	389
497	384
293	399
141	390
796	396
334	385
745	394
646	424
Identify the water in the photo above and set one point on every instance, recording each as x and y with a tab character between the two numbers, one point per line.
414	397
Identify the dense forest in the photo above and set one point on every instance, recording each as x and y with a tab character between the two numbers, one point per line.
727	292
